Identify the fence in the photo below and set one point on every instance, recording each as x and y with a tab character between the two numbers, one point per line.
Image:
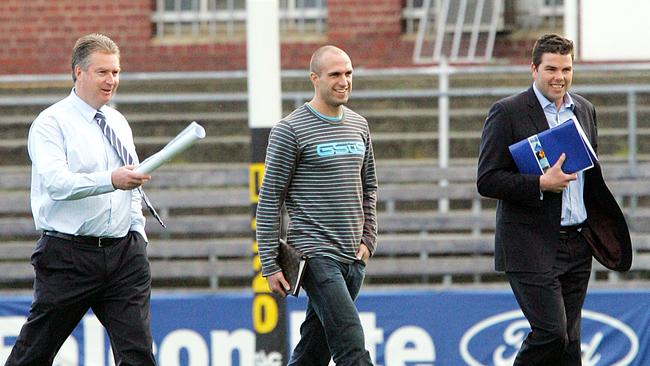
436	242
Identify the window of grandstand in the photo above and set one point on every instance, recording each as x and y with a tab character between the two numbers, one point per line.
529	13
552	12
546	15
224	19
411	15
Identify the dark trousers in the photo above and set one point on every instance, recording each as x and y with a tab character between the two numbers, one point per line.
71	277
332	328
552	302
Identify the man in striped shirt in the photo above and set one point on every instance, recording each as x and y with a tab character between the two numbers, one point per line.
320	159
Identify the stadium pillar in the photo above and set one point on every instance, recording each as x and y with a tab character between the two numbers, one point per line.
264	109
571	24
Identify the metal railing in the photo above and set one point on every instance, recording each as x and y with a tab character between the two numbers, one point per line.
442	92
445	24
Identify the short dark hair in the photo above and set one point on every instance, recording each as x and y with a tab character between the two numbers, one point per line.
87	45
551	43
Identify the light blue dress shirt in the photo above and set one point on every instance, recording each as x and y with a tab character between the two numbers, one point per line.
573	205
72	161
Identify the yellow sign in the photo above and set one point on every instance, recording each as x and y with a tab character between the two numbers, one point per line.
265	313
255	177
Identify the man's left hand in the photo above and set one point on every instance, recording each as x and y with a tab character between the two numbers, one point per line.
125	178
363	253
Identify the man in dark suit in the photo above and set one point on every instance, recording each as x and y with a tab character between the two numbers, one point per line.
548	226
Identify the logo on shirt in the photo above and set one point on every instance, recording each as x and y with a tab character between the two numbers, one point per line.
340	148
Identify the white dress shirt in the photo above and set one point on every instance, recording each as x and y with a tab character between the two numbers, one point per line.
72	161
573	205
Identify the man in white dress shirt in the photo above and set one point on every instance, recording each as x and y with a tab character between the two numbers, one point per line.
92	253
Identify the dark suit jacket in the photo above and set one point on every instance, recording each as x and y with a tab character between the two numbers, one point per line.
527	227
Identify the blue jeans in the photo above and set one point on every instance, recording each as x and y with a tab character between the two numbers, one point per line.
332	328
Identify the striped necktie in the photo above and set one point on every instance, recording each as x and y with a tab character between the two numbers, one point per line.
125	156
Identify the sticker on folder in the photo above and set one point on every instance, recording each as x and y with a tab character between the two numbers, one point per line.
538	152
536	146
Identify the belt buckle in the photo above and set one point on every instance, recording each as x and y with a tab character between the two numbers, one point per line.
99	241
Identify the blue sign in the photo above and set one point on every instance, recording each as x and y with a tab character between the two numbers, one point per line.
402	328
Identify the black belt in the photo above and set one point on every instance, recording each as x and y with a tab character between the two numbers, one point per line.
573	229
90	240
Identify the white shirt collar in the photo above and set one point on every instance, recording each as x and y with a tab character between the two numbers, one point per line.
568	101
86	110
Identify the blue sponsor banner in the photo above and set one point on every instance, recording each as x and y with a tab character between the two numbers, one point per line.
402	328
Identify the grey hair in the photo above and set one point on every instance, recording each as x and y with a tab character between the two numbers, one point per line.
87	45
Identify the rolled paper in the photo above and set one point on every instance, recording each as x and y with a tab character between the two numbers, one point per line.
186	138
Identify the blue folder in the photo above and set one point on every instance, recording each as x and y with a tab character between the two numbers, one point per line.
538	152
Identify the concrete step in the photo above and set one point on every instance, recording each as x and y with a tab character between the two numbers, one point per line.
400	120
402	127
387	145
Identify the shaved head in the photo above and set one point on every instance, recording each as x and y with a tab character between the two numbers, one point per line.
316	63
330	71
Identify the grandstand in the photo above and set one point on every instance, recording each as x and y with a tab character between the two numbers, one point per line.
203	194
426	72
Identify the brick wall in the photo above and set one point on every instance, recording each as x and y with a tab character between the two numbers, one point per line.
370	30
37	37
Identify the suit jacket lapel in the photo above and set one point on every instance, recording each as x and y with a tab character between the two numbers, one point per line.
535	112
581	114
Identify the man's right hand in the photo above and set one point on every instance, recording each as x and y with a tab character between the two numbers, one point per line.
126	179
554	179
278	284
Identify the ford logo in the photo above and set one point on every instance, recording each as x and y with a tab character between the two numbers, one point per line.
503	334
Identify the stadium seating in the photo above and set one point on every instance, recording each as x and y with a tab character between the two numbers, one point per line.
204	194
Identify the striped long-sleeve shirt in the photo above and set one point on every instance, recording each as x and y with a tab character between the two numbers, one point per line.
331	197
